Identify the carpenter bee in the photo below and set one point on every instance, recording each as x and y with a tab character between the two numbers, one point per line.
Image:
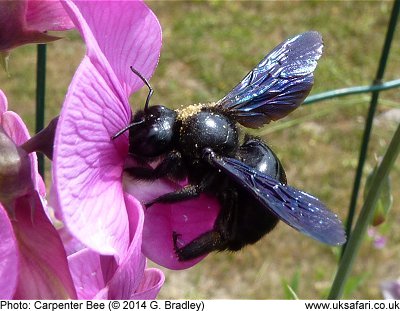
202	143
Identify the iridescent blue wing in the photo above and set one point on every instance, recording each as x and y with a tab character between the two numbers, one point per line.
279	83
298	209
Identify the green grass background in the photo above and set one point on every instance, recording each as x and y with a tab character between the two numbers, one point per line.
207	48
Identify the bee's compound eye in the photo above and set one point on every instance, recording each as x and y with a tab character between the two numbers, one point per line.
154	136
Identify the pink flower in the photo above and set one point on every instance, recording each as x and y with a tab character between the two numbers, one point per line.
101	277
379	240
8	257
88	167
25	21
391	289
33	262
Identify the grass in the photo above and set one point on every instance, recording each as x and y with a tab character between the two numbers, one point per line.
207	48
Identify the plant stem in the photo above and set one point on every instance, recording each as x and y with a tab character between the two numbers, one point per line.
40	97
370	117
364	219
384	86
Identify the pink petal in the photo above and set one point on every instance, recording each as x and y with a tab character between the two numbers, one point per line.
103	294
87	164
150	286
13	28
87	274
8	257
71	244
15	127
189	218
380	242
47	15
44	272
130	37
3	103
18	132
88	178
131	268
391	289
90	270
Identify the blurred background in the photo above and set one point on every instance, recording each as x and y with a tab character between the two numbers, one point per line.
207	49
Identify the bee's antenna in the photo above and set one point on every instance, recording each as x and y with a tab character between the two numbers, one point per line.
148	85
126	128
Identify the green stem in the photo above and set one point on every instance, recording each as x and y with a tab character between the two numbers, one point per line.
364	219
352	90
40	97
370	116
311	116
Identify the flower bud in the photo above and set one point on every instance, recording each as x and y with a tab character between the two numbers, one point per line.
15	170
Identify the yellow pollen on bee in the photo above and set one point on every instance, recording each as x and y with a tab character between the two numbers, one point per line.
186	112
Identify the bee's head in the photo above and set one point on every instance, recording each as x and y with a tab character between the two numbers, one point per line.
152	134
151	130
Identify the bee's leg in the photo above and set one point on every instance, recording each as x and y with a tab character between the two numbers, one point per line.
227	219
217	239
206	243
186	193
170	166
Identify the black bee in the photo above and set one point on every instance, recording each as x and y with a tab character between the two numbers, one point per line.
202	143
